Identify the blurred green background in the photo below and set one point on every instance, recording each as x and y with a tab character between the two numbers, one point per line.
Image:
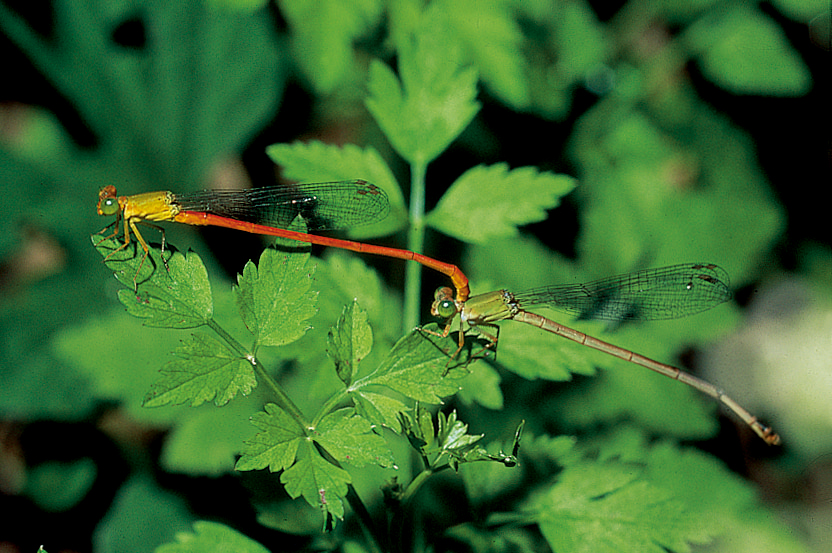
697	131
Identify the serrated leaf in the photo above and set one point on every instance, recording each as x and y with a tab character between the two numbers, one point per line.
533	353
713	494
493	41
176	297
745	52
452	434
315	161
322	35
206	370
276	445
482	386
419	367
491	202
211	536
275	298
715	498
349	341
322	484
608	508
423	426
434	101
379	409
350	439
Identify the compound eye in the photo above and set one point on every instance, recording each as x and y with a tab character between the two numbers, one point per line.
446	309
110	206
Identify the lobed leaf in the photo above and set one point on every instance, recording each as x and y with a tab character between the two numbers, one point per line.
176	296
379	409
322	484
206	370
419	367
276	445
435	99
499	57
322	35
275	298
608	508
350	439
316	161
349	341
491	202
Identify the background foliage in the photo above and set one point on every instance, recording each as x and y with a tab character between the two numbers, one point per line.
529	142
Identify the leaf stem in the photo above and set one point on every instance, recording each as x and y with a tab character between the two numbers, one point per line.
370	529
281	398
415	243
329	406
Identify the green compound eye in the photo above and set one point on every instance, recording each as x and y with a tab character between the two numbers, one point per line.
109	206
446	309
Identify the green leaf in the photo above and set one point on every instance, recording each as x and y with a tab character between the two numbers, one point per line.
491	202
583	43
745	52
351	440
714	495
533	353
276	445
118	358
379	409
58	486
493	41
423	428
341	278
349	342
564	47
608	508
803	10
482	385
322	484
315	161
166	111
419	367
275	299
716	500
435	100
452	434
206	441
653	401
176	297
206	370
322	35
653	193
143	512
211	536
239	5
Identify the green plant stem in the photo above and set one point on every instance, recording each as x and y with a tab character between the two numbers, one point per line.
415	243
280	397
329	406
370	530
396	521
